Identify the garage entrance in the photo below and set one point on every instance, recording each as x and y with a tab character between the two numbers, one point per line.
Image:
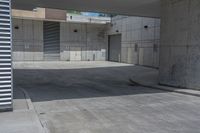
51	41
114	48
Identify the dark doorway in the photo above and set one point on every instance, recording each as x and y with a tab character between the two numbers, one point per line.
51	40
114	48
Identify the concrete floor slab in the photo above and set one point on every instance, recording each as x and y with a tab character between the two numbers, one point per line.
22	119
101	100
66	65
20	122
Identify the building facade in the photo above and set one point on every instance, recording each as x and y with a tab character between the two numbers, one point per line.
76	42
140	39
87	41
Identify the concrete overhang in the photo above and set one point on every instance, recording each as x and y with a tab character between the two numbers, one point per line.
148	8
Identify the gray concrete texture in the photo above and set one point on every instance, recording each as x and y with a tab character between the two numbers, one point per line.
97	99
179	56
23	119
140	45
90	43
27	40
129	7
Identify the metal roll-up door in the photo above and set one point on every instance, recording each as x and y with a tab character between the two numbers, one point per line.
115	48
5	56
51	40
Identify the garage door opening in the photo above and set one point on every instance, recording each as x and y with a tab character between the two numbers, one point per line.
114	48
51	41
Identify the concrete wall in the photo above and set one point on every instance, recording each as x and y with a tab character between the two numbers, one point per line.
180	44
88	43
139	45
27	40
37	14
40	14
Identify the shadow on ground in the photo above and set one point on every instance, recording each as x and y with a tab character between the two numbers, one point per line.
51	84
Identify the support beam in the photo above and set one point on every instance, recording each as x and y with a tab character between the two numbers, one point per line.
5	56
180	43
149	8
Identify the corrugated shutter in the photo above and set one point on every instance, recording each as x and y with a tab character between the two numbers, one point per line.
5	56
115	48
51	40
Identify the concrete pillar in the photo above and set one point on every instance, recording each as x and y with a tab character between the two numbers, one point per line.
180	43
5	56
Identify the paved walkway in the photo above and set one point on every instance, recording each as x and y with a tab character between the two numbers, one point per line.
101	100
23	119
54	65
97	98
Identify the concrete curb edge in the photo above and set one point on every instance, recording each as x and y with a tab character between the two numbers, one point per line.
166	88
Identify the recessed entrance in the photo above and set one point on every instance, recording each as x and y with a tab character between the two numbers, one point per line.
115	48
51	40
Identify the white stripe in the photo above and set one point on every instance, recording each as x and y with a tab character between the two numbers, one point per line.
4	37
5	73
5	51
3	10
4	86
5	1
2	28
5	46
6	81
6	103
5	64
5	94
5	6
7	15
5	99
4	41
5	55
6	20
5	90
4	23
5	33
5	77
5	59
5	68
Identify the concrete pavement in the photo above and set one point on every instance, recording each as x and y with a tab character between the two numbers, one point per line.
149	78
23	118
101	100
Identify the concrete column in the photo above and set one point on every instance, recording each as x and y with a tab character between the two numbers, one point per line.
180	43
5	56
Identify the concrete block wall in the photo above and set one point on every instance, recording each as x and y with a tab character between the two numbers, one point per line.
88	43
27	40
140	45
180	44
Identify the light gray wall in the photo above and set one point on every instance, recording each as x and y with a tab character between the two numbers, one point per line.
133	33
27	40
180	39
90	41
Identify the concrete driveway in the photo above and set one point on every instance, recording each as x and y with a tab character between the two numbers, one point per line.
96	97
